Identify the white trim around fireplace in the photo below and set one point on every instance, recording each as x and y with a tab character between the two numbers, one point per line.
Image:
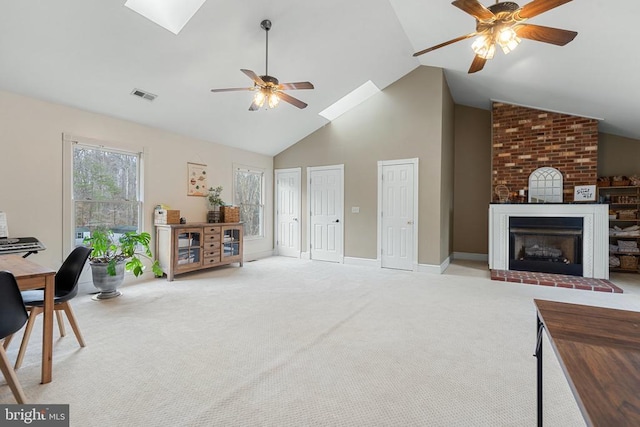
595	238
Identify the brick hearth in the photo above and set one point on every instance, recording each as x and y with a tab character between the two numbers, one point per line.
557	280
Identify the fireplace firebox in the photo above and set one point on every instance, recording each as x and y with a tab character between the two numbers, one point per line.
546	244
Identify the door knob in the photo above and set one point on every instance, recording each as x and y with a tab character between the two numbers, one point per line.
337	220
295	219
409	222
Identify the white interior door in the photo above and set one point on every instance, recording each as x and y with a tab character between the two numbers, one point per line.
397	215
288	212
325	193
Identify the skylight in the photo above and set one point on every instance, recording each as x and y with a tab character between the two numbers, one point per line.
349	101
170	14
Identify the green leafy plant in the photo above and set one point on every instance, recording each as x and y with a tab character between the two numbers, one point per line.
214	198
130	247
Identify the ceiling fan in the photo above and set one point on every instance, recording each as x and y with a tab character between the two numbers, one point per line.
503	24
266	87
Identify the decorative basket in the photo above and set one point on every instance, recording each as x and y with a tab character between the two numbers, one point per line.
230	214
628	214
603	181
629	262
617	181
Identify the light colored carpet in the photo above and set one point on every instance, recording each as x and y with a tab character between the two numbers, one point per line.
288	342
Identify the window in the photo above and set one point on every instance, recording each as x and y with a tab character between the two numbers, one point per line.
106	190
248	186
545	186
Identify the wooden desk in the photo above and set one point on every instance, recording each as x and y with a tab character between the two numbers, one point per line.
34	276
599	351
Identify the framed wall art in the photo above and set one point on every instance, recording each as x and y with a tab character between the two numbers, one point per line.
196	179
584	193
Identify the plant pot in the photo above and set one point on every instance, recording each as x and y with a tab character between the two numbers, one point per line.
214	216
106	284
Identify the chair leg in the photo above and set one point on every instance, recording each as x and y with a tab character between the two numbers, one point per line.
11	377
7	340
60	323
73	322
27	333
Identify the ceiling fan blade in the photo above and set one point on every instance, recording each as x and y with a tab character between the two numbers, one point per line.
438	46
540	33
254	106
291	100
253	76
294	86
477	64
536	7
474	8
231	89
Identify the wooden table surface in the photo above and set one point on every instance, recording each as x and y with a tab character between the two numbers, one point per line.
599	351
31	275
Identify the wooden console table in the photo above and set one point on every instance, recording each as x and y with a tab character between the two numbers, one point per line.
599	351
181	248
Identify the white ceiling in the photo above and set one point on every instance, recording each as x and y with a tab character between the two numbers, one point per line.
91	54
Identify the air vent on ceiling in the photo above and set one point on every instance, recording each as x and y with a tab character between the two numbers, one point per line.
144	95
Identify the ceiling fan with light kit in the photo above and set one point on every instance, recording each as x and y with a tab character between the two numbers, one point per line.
503	24
268	88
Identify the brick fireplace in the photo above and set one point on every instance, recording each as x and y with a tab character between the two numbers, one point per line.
524	139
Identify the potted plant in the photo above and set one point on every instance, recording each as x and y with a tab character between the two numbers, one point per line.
110	258
214	201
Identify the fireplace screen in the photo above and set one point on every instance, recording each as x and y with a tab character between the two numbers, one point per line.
546	244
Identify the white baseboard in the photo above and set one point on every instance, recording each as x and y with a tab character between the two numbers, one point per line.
305	255
365	262
257	255
434	269
471	256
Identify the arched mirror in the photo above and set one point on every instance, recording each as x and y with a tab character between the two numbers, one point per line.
545	186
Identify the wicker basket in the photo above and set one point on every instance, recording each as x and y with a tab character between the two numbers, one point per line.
629	262
628	214
230	214
603	181
622	183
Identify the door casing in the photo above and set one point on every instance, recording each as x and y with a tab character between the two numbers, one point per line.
310	171
381	164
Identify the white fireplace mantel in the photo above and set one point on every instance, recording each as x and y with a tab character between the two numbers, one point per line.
595	238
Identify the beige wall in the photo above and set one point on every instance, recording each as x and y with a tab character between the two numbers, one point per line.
618	155
31	176
448	169
472	186
404	121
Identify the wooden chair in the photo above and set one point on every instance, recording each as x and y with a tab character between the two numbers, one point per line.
66	288
13	316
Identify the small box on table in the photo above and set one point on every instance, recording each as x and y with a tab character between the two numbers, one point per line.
164	216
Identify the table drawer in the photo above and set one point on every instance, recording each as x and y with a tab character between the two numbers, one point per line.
211	246
211	238
212	230
211	259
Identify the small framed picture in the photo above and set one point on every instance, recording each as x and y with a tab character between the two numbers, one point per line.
196	179
584	193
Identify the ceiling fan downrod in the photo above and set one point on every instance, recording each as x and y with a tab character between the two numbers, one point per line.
266	26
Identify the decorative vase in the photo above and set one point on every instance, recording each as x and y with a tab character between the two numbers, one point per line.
214	215
106	284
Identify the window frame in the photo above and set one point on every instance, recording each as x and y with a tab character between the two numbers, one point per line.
69	204
236	202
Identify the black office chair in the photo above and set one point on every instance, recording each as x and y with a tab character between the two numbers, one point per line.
13	316
66	288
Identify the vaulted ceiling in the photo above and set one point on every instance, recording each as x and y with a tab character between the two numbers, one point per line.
91	54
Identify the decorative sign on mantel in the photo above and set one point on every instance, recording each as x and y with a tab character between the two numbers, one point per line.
584	193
